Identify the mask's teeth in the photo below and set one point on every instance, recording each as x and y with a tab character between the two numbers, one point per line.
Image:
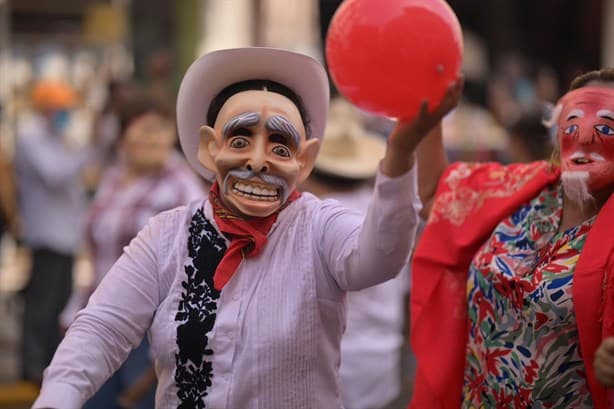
254	192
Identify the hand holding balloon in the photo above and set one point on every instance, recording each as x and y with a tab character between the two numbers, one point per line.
407	134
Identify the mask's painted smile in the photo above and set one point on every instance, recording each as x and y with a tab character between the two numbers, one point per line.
580	158
257	191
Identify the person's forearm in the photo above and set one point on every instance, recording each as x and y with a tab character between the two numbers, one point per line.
375	252
396	162
422	136
432	162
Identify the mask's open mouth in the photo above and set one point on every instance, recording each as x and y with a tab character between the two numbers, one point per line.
585	158
255	191
581	161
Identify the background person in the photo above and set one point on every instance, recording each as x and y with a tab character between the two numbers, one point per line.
243	294
52	204
148	177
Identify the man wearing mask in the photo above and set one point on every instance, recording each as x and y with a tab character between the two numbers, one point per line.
243	294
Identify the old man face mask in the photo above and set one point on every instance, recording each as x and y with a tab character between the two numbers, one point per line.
258	150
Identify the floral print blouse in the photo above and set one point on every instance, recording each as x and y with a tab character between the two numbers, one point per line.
523	346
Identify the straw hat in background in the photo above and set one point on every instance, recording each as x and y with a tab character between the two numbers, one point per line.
348	150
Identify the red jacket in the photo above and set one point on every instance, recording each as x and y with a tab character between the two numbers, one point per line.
471	200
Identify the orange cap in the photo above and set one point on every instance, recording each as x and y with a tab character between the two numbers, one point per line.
53	95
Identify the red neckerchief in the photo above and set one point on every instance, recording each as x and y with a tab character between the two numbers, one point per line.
247	236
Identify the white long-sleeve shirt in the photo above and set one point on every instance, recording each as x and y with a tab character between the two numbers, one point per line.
270	339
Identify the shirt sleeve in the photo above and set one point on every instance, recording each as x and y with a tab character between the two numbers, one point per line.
360	254
105	332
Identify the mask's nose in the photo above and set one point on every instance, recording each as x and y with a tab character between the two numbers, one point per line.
587	135
258	162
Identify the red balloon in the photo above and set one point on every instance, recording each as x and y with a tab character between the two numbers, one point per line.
387	56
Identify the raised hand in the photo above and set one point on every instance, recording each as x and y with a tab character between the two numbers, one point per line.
408	133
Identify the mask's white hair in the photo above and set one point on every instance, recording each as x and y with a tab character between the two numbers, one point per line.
550	119
575	185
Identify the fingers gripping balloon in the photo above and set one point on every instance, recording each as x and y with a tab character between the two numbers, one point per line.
389	56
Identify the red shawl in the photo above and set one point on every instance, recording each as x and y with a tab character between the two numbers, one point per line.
471	200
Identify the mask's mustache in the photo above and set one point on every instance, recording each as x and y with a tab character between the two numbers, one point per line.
276	181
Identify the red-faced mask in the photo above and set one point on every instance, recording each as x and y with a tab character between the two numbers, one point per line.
586	134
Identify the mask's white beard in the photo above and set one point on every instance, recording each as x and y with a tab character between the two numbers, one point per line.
575	185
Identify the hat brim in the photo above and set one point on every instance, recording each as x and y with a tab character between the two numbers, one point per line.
362	164
213	72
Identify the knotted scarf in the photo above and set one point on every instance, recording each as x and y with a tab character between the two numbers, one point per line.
247	236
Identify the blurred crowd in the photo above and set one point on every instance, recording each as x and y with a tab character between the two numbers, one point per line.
83	175
93	154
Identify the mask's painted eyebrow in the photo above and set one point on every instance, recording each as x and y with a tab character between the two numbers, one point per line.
605	113
243	120
280	124
575	113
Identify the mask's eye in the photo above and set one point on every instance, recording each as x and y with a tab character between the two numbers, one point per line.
604	129
238	143
281	150
570	129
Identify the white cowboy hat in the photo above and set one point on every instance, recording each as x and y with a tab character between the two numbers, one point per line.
348	150
213	72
